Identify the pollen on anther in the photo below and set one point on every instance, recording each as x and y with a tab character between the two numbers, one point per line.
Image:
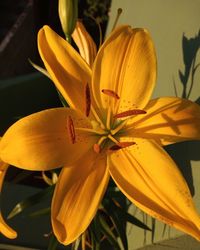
87	100
110	93
97	148
121	145
126	144
71	130
130	113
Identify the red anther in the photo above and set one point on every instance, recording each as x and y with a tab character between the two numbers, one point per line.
121	145
130	112
126	144
110	93
97	148
87	100
70	129
115	147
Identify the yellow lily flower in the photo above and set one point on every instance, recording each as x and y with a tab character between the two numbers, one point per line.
112	128
4	228
86	45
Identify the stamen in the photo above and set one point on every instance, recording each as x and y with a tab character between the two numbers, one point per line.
108	117
113	139
121	145
70	129
87	100
119	127
110	93
130	112
126	144
91	130
119	11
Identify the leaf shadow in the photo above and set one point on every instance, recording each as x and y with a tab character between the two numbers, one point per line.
182	153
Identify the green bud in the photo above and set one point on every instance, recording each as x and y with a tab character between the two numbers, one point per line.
68	13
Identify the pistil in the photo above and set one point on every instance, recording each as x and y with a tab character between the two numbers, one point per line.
97	146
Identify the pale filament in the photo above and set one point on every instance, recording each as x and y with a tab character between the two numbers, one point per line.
108	119
90	130
97	117
119	127
97	146
114	95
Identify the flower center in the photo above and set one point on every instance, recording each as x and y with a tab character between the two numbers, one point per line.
108	133
114	126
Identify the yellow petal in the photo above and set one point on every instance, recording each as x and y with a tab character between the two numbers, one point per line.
67	69
78	193
4	228
150	179
42	140
169	120
125	64
85	43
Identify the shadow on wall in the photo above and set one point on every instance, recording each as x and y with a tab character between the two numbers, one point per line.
185	152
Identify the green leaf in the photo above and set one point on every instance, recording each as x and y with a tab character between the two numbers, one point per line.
76	244
95	234
132	219
107	231
120	227
41	212
110	206
40	69
53	243
95	242
22	174
31	201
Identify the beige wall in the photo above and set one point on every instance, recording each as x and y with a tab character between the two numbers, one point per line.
167	21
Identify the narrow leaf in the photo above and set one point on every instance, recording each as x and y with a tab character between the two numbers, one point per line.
53	243
31	201
111	206
120	227
107	231
41	212
40	69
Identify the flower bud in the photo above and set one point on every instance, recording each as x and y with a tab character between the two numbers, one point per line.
68	13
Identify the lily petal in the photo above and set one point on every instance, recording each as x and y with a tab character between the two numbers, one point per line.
125	64
168	120
4	228
149	178
67	69
78	193
42	141
85	43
